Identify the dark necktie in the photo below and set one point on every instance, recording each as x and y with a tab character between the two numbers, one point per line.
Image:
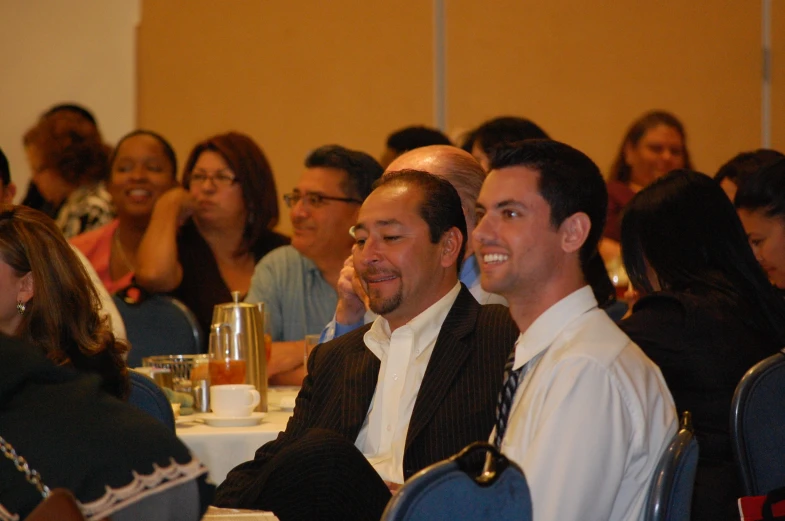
511	380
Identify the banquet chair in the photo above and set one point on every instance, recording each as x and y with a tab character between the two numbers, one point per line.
148	397
450	491
157	325
670	492
758	426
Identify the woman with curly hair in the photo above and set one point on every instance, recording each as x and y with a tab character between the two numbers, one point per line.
69	161
48	300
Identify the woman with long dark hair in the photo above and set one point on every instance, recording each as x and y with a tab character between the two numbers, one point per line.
707	314
49	301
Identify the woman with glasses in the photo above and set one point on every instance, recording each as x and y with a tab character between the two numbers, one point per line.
204	239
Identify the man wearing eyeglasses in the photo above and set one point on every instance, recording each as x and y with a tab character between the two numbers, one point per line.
297	282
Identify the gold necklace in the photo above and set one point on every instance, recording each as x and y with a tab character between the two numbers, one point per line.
121	251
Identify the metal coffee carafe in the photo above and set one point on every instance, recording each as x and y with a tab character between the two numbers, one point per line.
247	321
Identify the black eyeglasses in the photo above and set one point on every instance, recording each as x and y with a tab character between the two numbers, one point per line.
315	199
219	179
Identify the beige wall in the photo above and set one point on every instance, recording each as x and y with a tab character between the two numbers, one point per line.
778	75
54	51
296	75
293	78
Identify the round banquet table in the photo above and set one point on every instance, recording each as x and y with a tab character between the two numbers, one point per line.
223	448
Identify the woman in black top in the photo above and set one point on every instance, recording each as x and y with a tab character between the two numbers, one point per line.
204	239
707	315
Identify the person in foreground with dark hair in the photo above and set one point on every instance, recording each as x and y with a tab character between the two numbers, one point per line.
506	129
49	301
390	398
708	314
116	460
735	172
409	138
203	239
760	203
583	411
297	282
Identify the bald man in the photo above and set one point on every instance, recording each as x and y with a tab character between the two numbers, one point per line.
466	175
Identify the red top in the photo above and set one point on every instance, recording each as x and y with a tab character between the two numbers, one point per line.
96	245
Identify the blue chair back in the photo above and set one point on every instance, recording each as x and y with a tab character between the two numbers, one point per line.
147	396
158	325
758	426
449	490
670	492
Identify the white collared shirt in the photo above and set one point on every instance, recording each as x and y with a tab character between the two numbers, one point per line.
404	356
590	418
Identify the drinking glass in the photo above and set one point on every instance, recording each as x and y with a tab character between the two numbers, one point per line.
227	356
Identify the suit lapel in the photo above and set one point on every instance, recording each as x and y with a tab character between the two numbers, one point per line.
362	372
449	354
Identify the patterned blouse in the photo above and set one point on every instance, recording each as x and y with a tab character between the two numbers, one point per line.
87	208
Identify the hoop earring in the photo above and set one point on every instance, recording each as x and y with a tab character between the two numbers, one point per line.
20	307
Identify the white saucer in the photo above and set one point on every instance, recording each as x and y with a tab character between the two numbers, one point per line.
232	421
182	420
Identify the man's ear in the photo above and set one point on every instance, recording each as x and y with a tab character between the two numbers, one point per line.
26	288
451	246
575	230
9	192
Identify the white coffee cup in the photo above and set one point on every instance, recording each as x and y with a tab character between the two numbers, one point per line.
233	400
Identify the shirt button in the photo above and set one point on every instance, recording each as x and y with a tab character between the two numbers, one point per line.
389	428
395	377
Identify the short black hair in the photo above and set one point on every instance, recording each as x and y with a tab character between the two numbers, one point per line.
743	165
413	137
569	181
167	147
361	169
505	129
5	171
440	207
72	107
764	190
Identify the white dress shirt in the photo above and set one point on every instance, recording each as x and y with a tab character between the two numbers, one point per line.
590	418
404	356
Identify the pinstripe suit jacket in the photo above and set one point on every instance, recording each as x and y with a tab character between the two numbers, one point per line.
455	405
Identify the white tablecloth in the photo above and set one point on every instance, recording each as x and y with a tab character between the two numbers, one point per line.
231	514
223	448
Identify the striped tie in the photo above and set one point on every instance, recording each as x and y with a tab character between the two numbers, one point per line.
511	380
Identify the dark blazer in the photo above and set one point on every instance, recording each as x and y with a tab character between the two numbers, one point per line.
703	343
455	405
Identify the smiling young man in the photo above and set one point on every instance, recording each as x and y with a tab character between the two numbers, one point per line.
584	412
387	399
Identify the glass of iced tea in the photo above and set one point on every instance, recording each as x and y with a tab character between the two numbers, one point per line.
227	356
